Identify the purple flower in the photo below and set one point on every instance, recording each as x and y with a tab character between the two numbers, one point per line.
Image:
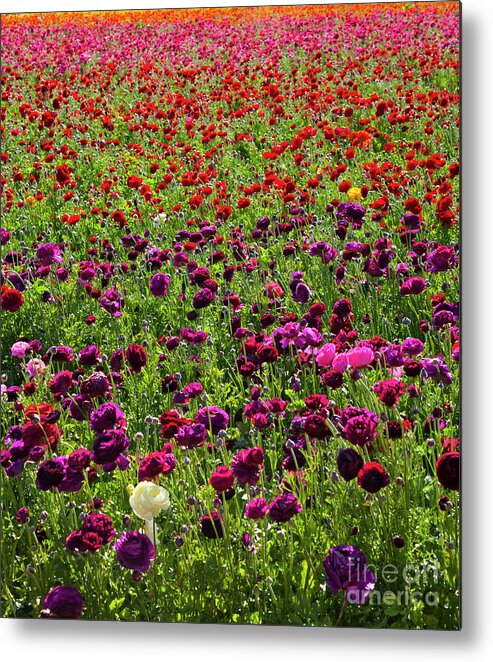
48	253
107	416
346	570
442	258
213	418
79	407
63	602
203	298
109	445
412	346
135	551
302	293
191	436
112	302
159	284
50	474
96	385
350	212
437	370
246	465
284	507
89	355
256	508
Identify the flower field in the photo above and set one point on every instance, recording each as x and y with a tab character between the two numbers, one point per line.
230	315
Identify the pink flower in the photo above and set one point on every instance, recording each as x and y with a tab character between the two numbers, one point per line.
326	355
35	367
360	357
340	363
20	349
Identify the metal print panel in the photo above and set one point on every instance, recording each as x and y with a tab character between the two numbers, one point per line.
230	315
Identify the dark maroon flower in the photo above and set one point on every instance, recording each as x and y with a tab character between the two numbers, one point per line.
89	355
61	383
414	285
211	525
246	465
389	391
136	357
22	515
50	474
316	427
349	463
448	470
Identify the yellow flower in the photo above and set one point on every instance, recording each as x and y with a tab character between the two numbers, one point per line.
30	200
354	193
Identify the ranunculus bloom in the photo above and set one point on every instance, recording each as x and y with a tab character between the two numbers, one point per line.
136	357
107	416
20	349
345	567
191	436
340	363
213	418
11	299
359	357
349	463
63	602
412	346
109	445
389	391
222	479
414	285
372	477
284	507
148	500
361	427
35	367
246	465
159	284
325	355
203	298
211	525
448	470
256	508
135	551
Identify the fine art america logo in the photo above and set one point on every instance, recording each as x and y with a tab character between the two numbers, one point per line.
407	582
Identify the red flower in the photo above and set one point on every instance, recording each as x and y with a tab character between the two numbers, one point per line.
12	299
134	182
372	477
63	174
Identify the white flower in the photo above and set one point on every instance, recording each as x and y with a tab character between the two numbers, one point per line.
148	500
